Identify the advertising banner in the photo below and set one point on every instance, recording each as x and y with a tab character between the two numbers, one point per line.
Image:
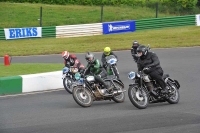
198	19
16	33
118	27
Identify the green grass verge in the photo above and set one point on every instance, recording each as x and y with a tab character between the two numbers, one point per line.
15	15
28	68
162	38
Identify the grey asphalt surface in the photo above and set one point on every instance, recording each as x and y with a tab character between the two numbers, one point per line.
57	112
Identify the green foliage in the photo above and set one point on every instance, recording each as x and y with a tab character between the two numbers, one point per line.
185	4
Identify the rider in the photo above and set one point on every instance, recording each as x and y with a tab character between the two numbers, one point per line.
70	60
107	52
95	68
134	50
149	62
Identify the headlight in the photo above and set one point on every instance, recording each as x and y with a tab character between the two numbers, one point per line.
74	70
131	75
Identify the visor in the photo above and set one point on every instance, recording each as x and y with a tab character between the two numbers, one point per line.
106	53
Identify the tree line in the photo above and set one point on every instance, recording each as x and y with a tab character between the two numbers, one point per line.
181	4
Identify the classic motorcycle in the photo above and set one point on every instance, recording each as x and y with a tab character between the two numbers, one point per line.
88	90
69	78
140	94
111	65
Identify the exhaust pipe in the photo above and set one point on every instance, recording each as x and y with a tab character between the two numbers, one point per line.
120	91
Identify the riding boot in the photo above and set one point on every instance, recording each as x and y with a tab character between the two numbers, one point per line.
104	84
151	89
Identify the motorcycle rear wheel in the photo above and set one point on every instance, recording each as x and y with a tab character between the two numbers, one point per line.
139	100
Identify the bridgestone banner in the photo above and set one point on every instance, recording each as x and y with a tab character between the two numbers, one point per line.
198	19
16	33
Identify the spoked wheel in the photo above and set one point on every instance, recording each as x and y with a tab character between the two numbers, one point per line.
138	99
174	95
82	96
67	83
118	97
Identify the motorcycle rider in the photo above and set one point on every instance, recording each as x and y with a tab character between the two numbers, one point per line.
134	50
70	60
107	52
149	62
95	68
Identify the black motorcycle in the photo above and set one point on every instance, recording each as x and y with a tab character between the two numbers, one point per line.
69	78
88	90
140	94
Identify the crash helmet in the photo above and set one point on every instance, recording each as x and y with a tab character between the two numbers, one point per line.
89	57
107	51
135	44
65	54
142	51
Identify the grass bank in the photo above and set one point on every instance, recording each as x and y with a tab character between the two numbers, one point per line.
15	15
32	68
162	38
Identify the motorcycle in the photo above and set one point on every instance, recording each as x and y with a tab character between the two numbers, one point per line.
140	95
111	65
69	78
88	90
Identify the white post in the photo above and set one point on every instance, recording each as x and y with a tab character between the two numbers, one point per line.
198	20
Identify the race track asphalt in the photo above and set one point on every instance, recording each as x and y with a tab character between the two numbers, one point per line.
57	112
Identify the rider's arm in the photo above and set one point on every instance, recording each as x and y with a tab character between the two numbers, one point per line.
114	55
97	66
67	64
103	60
155	59
139	67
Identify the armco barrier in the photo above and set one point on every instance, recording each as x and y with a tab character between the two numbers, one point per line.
2	36
42	81
31	83
165	22
79	30
49	31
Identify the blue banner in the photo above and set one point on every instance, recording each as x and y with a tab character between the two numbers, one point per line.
118	27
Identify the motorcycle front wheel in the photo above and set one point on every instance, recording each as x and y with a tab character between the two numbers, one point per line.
174	94
67	82
118	98
82	96
138	97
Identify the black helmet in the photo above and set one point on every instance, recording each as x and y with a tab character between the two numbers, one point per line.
89	57
135	44
142	49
